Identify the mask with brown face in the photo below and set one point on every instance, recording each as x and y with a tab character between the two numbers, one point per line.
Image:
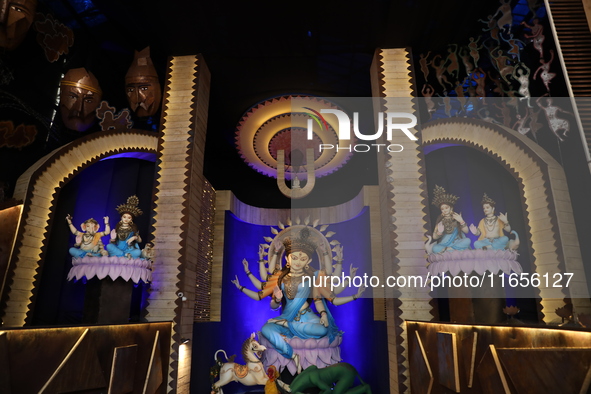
80	95
142	86
16	16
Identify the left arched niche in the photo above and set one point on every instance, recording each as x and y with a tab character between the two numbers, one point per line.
93	193
46	194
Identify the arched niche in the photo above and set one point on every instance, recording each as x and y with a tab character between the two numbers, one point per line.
552	234
468	174
39	188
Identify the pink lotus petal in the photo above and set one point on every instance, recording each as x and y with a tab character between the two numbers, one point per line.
296	343
336	355
90	271
479	267
102	271
136	275
493	266
312	356
454	268
323	342
479	253
515	267
311	343
504	266
324	355
292	368
468	266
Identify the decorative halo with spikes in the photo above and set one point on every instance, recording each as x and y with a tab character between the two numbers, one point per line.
302	235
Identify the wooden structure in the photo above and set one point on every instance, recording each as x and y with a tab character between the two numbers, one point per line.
403	194
114	359
458	358
178	197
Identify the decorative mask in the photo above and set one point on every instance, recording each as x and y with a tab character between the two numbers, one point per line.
16	16
142	85
79	97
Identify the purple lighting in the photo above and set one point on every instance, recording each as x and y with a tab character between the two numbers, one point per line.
134	155
430	148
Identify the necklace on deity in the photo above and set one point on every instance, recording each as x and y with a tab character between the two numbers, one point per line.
490	223
448	224
291	285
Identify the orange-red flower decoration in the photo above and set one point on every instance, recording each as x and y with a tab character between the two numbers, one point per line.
54	37
19	137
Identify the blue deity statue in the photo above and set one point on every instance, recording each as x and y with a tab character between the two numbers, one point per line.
450	228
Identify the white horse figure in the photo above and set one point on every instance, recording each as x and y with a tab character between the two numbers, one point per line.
251	374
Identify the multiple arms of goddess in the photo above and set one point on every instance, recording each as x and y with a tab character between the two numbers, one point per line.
270	287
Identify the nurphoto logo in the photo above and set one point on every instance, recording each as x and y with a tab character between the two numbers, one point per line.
392	122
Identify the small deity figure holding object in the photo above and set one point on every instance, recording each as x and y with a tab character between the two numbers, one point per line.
450	228
88	241
291	285
491	227
125	236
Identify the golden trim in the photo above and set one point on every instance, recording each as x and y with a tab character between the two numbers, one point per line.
81	86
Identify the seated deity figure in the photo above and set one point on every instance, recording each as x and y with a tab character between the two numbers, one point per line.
491	227
88	241
450	228
293	287
125	236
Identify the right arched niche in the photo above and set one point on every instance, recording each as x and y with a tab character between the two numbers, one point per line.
468	173
534	191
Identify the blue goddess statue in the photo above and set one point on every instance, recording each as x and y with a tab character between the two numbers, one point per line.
125	236
450	228
293	288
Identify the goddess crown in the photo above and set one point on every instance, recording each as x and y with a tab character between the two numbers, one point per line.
441	197
130	207
303	242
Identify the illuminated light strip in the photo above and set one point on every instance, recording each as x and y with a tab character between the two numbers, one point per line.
181	129
255	128
64	361
407	187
